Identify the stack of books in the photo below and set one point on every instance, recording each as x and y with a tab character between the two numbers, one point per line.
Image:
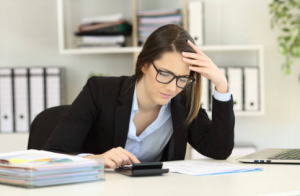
34	168
103	31
150	20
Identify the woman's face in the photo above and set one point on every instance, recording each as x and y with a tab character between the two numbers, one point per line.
160	93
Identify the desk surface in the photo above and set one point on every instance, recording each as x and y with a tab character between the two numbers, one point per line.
274	180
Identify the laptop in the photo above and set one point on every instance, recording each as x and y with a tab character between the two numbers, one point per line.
273	156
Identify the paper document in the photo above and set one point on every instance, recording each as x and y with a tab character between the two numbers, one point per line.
36	168
102	18
203	168
158	12
34	156
103	39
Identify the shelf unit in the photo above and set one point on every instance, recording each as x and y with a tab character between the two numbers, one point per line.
204	48
63	49
259	50
134	49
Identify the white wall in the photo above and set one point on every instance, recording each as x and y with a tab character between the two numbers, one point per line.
28	37
248	22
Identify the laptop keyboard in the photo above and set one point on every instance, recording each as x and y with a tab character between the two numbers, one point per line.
289	155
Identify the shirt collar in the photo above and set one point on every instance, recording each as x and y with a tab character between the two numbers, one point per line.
135	106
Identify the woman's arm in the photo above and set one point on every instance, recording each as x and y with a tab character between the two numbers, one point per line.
73	127
211	138
214	139
71	131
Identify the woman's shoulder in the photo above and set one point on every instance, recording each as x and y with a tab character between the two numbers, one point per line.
111	81
108	79
100	86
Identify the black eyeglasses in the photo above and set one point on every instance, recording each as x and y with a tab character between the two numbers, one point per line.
166	77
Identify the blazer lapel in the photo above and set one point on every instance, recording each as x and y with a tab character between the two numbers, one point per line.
177	145
123	111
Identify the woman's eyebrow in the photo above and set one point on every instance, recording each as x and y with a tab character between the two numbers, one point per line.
172	72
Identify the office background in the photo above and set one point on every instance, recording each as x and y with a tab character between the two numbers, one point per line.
29	38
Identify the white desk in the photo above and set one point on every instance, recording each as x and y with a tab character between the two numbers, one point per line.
274	180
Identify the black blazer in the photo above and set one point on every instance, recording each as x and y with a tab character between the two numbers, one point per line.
98	120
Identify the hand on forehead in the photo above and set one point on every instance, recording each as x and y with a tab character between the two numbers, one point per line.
172	61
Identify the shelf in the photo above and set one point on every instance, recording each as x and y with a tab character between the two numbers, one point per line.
69	14
138	49
100	50
66	27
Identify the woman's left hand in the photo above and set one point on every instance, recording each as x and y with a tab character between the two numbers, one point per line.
206	67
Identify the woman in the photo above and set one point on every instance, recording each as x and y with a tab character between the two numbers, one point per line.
151	115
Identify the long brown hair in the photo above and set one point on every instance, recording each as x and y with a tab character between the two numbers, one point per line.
171	38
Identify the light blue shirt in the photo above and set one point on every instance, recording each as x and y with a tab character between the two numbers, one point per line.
155	137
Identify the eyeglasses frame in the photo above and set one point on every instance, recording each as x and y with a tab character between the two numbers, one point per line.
177	77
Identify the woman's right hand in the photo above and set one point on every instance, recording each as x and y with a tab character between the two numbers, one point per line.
116	157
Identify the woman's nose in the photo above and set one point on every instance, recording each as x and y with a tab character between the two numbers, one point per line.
172	86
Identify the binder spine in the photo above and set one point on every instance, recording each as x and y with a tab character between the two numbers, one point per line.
29	97
210	95
259	87
0	109
13	98
17	100
243	89
60	86
6	105
45	88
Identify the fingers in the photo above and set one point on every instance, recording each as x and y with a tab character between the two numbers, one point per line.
198	69
124	159
119	157
194	56
109	163
195	62
195	48
130	155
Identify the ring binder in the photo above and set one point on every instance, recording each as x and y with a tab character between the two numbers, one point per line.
251	89
24	93
6	97
37	102
235	82
21	100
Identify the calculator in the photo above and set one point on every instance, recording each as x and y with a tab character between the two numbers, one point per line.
143	169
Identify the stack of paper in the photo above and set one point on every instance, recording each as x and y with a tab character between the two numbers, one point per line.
202	168
33	168
150	20
103	31
102	19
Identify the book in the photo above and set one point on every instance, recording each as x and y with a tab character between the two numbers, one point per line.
117	45
102	18
160	20
119	29
94	26
161	12
150	20
103	39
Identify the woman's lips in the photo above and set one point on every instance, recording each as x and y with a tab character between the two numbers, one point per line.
166	96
